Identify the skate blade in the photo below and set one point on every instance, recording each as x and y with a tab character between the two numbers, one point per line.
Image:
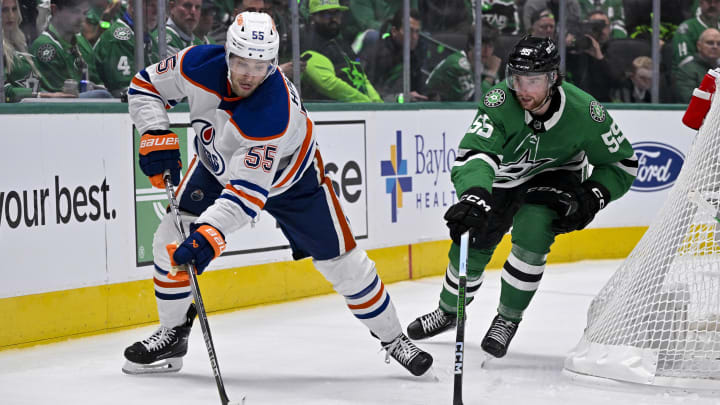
485	358
163	366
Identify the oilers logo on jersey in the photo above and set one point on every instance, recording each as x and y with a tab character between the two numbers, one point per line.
207	146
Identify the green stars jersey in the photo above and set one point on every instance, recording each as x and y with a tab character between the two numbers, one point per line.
176	39
505	147
22	80
685	40
502	15
59	60
115	55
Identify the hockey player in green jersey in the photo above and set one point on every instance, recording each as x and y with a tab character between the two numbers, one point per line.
523	163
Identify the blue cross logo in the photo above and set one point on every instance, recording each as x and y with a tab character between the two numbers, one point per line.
395	170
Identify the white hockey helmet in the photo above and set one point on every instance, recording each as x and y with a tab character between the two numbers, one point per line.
253	36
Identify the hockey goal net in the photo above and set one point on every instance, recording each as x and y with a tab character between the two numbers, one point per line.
657	320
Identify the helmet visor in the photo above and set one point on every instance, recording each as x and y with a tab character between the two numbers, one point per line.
240	66
529	81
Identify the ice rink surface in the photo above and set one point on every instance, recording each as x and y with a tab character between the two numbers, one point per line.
314	352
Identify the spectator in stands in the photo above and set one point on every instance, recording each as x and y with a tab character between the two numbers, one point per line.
31	18
207	19
333	70
99	17
587	66
115	50
454	78
615	11
62	53
502	15
543	24
255	6
22	79
184	18
361	24
691	73
281	15
44	13
636	87
384	60
572	12
687	34
443	16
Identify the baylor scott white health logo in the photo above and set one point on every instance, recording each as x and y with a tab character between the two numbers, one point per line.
659	165
397	180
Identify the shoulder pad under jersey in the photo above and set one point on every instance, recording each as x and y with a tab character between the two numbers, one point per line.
265	114
204	66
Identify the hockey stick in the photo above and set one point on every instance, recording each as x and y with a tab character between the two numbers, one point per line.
202	315
460	337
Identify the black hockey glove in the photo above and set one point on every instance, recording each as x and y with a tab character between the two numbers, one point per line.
470	213
576	208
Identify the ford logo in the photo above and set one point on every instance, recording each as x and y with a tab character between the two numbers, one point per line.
659	165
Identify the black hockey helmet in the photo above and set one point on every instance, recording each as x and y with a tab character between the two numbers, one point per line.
534	55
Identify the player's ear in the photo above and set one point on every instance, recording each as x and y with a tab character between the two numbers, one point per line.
553	77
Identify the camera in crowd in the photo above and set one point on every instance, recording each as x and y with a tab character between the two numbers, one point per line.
593	28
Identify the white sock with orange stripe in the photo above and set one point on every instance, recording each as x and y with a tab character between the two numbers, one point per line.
173	297
354	276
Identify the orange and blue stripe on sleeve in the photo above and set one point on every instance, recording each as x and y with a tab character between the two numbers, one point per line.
297	167
141	85
249	196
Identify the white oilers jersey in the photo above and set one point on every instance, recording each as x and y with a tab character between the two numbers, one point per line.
257	147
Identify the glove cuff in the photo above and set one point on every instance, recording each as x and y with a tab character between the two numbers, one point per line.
600	192
214	237
153	141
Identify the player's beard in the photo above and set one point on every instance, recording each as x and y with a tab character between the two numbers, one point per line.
532	103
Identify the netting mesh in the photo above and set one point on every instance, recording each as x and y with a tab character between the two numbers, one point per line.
666	295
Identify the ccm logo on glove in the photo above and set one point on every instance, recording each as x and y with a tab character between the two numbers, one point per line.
477	200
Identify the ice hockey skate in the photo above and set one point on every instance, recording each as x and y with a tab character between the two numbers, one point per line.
431	324
406	353
498	337
163	351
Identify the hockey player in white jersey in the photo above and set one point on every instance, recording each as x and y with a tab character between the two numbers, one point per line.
256	151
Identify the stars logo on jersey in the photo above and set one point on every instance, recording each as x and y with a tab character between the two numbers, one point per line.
123	33
494	98
46	53
520	168
597	112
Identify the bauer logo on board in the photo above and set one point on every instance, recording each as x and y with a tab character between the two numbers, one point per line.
659	166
